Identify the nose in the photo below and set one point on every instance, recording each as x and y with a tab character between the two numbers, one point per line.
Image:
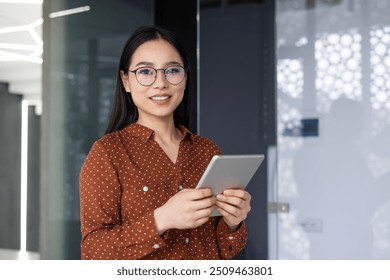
160	81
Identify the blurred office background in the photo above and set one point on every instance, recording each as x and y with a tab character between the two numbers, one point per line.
306	82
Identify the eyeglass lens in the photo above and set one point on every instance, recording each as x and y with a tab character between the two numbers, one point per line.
147	75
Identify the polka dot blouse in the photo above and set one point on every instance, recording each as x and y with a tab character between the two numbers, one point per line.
125	177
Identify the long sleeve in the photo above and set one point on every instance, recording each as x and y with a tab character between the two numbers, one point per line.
103	234
230	243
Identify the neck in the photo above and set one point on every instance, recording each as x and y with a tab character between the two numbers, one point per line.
164	130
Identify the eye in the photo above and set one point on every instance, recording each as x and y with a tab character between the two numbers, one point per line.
173	70
146	71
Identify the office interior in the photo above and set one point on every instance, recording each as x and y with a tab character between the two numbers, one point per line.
304	82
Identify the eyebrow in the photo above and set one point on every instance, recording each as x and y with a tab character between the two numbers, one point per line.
146	63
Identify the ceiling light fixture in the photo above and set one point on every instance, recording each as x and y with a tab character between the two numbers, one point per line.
7	50
70	12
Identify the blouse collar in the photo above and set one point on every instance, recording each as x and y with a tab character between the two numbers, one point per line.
145	134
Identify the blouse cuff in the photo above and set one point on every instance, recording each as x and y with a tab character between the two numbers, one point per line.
231	243
143	232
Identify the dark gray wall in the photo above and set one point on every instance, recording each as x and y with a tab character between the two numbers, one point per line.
237	89
10	153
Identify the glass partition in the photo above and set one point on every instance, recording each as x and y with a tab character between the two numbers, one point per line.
333	118
83	41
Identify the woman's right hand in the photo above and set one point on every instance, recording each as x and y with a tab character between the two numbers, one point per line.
188	208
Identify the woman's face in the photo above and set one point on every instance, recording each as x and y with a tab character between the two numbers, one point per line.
161	98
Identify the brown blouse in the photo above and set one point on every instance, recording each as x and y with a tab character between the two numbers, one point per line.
125	177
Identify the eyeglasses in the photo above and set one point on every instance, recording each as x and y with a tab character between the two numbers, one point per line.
147	75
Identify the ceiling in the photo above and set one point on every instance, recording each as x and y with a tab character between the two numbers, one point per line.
21	47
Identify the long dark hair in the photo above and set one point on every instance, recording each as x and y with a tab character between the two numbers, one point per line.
124	112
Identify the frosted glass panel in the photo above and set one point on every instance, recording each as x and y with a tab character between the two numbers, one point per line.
333	61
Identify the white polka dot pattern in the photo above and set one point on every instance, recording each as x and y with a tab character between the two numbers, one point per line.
125	176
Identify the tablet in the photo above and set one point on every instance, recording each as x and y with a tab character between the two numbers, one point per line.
229	171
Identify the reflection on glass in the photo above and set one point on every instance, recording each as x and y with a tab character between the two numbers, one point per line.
290	77
335	67
338	72
294	240
381	230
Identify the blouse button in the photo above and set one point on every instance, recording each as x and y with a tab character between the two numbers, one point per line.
187	240
145	189
180	187
156	246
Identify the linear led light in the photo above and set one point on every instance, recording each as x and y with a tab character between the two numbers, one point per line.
8	56
22	1
70	12
24	47
24	174
21	27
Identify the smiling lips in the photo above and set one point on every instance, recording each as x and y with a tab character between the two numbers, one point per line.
160	97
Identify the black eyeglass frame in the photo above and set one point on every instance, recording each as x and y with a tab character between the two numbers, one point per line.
156	70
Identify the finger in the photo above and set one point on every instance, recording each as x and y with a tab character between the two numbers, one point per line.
223	212
238	193
204	213
200	217
204	203
230	209
201	221
235	201
206	191
195	194
231	221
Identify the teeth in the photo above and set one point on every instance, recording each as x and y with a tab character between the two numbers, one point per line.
159	97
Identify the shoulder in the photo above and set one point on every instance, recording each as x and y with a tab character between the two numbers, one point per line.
206	144
200	142
108	139
103	152
107	144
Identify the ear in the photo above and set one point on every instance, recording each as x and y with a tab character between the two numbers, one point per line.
125	80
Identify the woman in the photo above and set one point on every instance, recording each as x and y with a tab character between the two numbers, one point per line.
137	184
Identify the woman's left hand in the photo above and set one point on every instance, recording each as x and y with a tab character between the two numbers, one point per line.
234	205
